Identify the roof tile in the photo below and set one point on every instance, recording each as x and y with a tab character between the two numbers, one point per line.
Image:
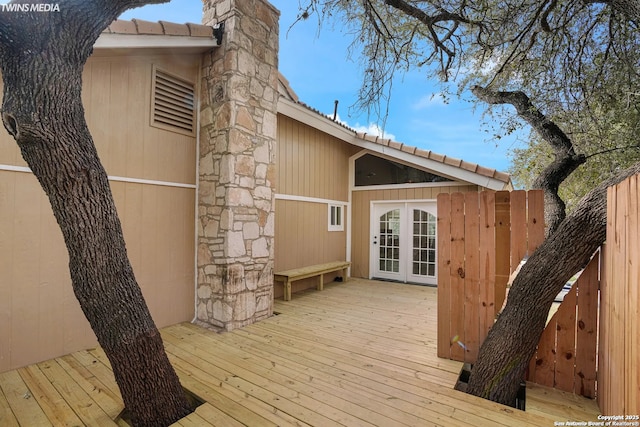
501	176
173	29
485	171
395	144
471	167
120	26
422	153
409	149
139	26
198	30
148	27
437	157
452	161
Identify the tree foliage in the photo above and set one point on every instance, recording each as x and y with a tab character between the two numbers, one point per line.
577	61
559	52
605	134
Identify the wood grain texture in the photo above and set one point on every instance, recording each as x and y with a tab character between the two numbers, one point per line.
361	353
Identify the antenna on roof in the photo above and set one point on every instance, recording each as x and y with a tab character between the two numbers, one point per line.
335	110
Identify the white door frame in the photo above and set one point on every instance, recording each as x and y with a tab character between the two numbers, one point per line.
404	271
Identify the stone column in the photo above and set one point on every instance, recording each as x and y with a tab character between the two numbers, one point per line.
237	165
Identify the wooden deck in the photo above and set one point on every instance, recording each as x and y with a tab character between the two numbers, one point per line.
361	353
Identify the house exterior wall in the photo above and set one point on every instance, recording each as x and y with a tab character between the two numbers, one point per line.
40	317
311	163
361	214
313	171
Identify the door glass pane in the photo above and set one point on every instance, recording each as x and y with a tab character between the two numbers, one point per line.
390	241
424	243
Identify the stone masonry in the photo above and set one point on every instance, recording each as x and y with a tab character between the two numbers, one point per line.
237	166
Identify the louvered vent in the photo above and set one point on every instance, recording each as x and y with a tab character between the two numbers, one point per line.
173	103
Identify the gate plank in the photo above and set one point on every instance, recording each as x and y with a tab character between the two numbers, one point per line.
502	246
535	220
444	284
457	273
565	342
518	221
487	262
472	276
587	325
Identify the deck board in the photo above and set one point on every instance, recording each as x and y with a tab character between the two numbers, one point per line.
361	353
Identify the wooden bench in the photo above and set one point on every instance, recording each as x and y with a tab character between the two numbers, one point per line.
288	276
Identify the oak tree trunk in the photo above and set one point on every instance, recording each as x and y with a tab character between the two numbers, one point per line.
42	58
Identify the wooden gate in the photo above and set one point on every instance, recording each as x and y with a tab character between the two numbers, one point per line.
482	237
566	355
619	344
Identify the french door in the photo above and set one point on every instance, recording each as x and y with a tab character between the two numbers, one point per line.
403	242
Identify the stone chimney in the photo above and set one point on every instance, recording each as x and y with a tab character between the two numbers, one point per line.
237	165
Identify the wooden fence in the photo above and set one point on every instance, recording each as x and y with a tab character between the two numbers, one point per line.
482	237
566	355
619	344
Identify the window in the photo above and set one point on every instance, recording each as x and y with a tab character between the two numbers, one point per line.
336	218
373	170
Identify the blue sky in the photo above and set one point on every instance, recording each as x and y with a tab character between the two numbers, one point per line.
319	71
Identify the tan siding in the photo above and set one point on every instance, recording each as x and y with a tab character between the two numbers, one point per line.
118	115
39	316
302	239
311	163
361	217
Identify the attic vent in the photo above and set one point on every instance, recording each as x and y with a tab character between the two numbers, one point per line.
173	103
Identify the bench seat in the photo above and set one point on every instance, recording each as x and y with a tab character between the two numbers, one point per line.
288	276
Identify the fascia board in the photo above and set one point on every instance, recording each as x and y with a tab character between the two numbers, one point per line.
141	41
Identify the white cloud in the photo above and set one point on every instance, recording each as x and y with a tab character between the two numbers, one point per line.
370	129
374	129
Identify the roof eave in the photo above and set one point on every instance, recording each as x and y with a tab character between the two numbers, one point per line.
302	114
142	41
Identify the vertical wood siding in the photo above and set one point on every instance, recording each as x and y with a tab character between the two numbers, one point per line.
311	163
302	239
40	317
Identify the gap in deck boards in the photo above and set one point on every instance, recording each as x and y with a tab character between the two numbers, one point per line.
463	380
124	418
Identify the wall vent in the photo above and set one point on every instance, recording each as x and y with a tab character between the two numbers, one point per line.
173	103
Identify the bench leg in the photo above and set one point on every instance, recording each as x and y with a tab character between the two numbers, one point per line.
344	275
321	282
287	290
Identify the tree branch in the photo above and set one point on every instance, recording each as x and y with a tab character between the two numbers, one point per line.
566	159
611	150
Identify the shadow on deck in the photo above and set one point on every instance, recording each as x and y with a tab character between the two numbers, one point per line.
361	353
